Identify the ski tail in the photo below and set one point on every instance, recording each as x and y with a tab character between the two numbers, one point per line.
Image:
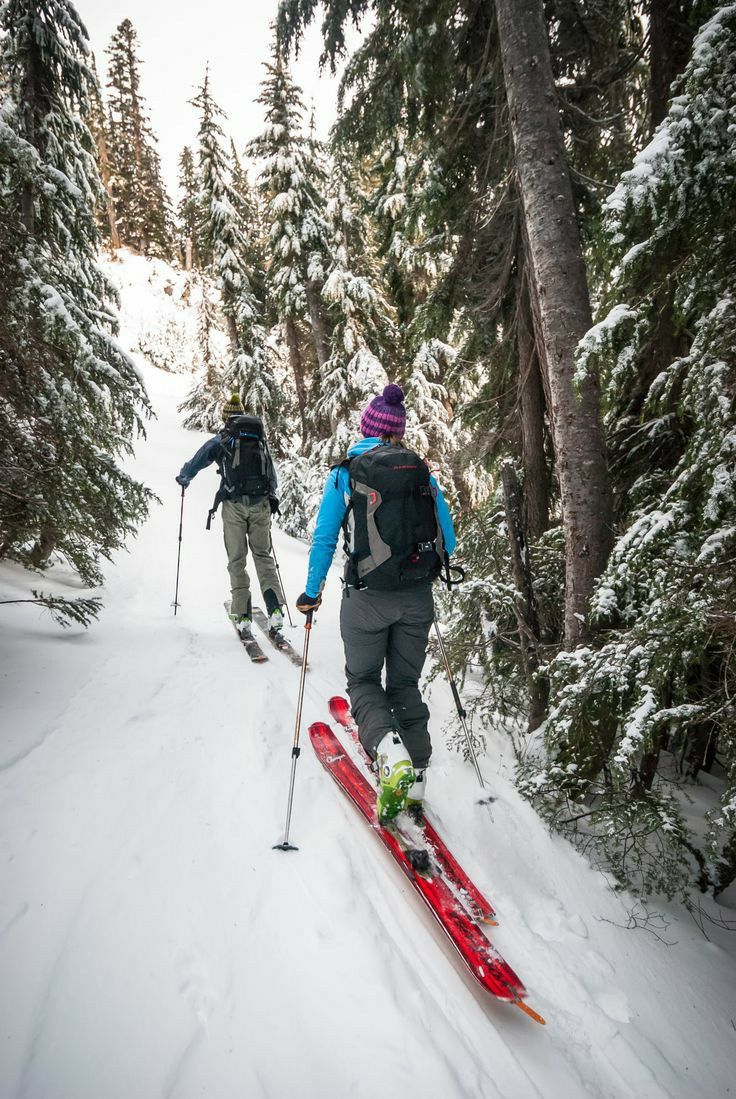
480	957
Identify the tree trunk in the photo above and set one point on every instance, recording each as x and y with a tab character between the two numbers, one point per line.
563	301
670	39
525	608
297	366
188	254
321	343
105	177
322	347
43	548
232	331
531	414
30	107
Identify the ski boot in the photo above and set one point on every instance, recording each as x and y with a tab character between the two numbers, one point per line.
395	776
276	622
415	797
243	625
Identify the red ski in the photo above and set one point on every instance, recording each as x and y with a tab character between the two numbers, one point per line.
468	893
482	959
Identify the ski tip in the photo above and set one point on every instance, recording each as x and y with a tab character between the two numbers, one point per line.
530	1012
489	921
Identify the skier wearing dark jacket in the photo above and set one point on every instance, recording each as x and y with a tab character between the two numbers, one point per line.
246	521
387	607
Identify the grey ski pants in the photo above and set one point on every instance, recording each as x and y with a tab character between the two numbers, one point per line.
388	628
244	526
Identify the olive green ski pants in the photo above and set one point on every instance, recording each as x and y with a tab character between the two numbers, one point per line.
248	526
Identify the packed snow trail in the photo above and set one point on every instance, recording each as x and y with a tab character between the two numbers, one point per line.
152	944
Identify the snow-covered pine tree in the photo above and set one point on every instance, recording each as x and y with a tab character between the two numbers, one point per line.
221	227
359	316
187	212
143	208
98	123
202	407
289	182
70	398
224	248
656	696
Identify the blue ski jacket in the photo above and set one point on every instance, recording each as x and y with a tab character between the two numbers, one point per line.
209	452
335	501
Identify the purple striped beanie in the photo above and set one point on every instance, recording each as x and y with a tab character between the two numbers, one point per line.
385	415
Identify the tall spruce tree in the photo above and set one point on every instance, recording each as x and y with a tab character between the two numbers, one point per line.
221	226
98	125
659	688
142	205
289	181
187	212
70	398
361	326
225	254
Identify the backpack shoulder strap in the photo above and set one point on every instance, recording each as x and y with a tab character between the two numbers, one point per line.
344	463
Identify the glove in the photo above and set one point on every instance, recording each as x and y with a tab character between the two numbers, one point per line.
274	505
185	482
306	603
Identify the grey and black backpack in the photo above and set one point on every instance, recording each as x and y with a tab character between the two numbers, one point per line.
242	463
393	537
244	457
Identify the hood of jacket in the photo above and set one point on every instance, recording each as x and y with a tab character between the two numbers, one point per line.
364	444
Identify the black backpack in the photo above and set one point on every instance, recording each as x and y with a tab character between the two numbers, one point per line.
244	457
393	538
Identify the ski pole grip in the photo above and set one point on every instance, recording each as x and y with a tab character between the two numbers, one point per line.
456	696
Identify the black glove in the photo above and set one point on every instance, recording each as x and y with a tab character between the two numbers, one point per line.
274	505
306	603
185	482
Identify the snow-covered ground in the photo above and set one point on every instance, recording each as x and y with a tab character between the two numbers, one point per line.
153	944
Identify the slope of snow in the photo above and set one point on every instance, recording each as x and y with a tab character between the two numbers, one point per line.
153	944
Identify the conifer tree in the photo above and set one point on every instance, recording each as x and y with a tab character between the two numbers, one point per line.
660	683
359	316
142	206
188	213
221	227
97	122
224	249
70	398
289	183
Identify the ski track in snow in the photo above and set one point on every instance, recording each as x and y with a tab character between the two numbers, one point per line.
152	944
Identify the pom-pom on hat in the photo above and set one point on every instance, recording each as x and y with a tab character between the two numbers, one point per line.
233	407
385	415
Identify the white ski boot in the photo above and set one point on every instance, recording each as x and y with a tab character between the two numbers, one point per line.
415	797
395	776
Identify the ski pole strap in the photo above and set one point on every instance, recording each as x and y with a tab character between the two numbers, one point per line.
449	569
220	495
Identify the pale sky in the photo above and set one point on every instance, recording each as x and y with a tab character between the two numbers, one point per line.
176	39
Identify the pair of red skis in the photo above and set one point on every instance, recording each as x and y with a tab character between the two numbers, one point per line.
453	899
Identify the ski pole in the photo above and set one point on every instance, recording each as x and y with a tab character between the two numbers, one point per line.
295	750
461	712
178	556
281	583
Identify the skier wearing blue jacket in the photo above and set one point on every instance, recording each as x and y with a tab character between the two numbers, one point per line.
398	534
